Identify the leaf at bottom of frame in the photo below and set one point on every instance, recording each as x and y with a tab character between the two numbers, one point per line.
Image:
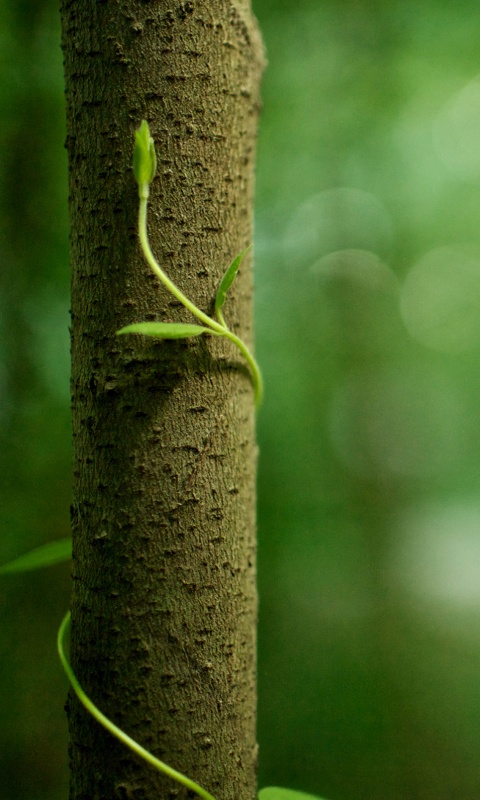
278	793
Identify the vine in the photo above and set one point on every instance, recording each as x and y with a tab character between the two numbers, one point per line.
114	729
144	167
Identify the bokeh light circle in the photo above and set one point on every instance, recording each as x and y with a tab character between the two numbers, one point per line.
403	421
435	554
337	219
456	132
440	299
359	267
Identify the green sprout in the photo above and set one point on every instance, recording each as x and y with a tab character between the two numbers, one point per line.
144	166
144	158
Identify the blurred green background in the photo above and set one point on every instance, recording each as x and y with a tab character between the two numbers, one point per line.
368	329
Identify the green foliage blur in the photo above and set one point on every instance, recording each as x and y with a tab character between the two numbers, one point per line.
367	253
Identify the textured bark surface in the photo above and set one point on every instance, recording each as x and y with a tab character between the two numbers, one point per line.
164	600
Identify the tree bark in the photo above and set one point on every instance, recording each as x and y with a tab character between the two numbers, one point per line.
163	513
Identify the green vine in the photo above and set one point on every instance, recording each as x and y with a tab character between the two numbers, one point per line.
114	729
144	167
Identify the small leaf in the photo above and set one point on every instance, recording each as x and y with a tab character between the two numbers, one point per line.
228	279
144	159
44	556
277	793
165	330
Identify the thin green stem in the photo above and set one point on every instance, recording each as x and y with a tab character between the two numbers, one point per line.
153	263
221	318
112	728
217	328
254	368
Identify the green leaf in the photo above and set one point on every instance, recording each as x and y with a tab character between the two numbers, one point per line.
144	158
44	556
228	279
276	793
165	330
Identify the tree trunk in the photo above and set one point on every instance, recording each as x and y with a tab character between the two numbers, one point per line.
163	514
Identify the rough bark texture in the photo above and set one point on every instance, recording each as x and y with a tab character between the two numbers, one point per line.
164	600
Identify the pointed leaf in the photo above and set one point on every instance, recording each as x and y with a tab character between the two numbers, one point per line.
44	556
165	330
277	793
228	279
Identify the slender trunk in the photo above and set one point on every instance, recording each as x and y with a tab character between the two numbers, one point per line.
164	599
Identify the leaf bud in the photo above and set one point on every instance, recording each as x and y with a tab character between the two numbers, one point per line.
144	159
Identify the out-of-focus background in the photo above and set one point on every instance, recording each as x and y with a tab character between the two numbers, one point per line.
368	329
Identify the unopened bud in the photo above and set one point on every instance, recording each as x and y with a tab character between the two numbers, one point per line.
144	159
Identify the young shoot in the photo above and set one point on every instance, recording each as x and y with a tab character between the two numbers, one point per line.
144	166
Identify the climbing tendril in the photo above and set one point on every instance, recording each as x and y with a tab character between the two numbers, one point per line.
144	166
112	728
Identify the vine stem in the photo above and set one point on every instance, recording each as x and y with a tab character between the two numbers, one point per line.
217	328
112	728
